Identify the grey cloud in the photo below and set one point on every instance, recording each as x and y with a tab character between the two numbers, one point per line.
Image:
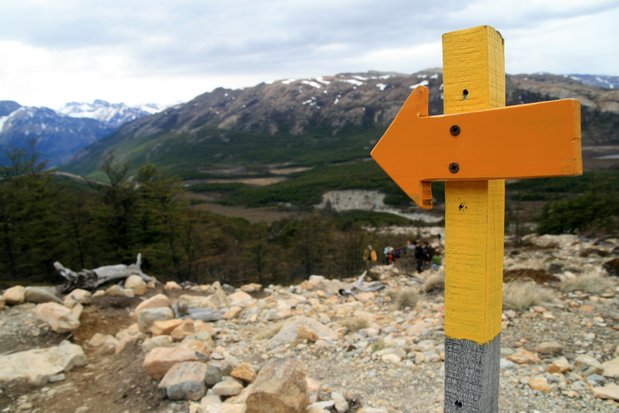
236	36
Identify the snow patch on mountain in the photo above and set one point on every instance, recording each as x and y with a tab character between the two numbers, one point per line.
111	114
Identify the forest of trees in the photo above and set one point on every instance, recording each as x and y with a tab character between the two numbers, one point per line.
47	218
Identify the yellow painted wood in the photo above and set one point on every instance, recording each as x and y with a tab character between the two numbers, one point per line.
474	79
522	141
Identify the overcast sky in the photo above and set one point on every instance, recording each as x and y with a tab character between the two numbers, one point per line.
168	51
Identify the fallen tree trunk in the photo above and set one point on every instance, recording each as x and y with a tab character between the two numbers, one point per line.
92	279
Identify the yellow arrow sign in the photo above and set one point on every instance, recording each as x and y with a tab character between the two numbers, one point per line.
523	141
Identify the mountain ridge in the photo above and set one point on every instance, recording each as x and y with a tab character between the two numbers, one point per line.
60	134
325	107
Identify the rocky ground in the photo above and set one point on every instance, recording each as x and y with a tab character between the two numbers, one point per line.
307	347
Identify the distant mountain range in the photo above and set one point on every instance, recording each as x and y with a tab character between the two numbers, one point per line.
60	134
214	128
606	82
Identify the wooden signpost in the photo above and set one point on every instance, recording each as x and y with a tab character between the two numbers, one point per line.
473	147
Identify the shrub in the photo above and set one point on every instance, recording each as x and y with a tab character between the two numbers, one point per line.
406	299
590	283
356	324
520	295
434	283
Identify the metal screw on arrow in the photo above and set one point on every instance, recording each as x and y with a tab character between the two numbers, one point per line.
454	167
454	130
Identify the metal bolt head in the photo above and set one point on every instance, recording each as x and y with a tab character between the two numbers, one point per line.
454	167
454	130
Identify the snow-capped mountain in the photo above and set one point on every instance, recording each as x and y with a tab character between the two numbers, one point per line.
111	114
603	81
62	133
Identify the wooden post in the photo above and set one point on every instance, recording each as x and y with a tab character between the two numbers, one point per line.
474	146
474	79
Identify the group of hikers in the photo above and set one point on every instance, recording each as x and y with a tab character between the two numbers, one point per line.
421	253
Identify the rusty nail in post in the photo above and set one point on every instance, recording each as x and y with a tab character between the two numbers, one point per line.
454	130
454	167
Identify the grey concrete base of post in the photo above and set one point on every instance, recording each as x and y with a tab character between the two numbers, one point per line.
472	376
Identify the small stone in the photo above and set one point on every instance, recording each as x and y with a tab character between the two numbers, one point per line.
611	368
80	296
228	388
559	365
104	342
118	291
506	364
183	330
549	347
161	359
15	295
596	380
365	297
539	383
172	286
196	345
245	372
155	301
341	405
154	342
213	374
240	299
165	327
56	378
522	356
137	284
185	381
313	389
391	358
610	391
148	316
233	313
587	365
306	333
371	410
251	288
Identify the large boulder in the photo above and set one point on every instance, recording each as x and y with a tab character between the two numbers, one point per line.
185	381
37	366
137	284
39	295
155	301
239	299
291	329
147	317
281	387
161	359
60	318
15	295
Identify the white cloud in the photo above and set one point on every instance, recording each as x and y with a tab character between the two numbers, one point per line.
156	50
